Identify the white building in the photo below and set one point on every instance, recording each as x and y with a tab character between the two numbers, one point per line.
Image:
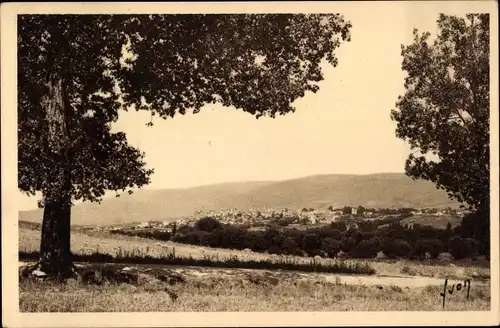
335	217
312	219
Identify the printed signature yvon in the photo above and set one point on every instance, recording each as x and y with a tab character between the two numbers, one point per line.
459	287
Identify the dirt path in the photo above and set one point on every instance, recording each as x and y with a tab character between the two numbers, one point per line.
401	281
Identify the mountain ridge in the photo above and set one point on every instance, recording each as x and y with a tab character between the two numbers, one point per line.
316	191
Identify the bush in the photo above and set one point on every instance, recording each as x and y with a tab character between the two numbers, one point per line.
394	240
341	226
329	233
402	248
191	237
233	237
316	252
211	239
388	247
368	248
289	246
311	242
367	226
476	225
461	248
434	247
275	249
207	224
347	244
396	248
255	241
331	247
272	236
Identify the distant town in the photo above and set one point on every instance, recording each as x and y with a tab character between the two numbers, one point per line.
259	219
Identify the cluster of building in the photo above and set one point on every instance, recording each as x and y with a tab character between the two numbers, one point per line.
264	217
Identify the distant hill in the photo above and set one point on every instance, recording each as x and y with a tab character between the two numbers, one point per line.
374	190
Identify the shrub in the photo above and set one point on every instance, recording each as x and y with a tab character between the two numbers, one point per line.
208	239
275	249
476	225
341	226
233	237
347	244
311	242
289	246
177	237
302	252
255	241
408	271
329	233
272	235
368	248
366	226
434	247
387	247
423	246
192	237
208	224
331	247
316	252
461	248
472	246
396	248
402	248
183	229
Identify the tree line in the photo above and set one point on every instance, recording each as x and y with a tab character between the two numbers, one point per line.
387	235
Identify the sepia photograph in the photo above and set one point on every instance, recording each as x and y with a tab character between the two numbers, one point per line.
279	163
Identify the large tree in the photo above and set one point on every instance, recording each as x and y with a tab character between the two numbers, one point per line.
75	73
445	109
445	112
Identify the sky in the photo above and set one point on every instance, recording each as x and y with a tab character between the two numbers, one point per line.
345	128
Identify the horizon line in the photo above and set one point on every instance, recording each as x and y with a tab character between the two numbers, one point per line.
269	180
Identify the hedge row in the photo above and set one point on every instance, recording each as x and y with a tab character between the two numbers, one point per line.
366	241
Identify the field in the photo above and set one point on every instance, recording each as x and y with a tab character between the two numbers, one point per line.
397	285
435	221
204	293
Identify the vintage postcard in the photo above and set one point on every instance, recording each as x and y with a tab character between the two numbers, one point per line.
250	164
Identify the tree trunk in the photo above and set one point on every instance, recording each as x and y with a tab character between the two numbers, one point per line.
55	252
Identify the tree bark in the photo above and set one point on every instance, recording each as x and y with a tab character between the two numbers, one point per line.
55	252
55	246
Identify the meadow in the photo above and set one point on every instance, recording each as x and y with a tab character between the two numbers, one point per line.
435	221
87	248
247	289
255	293
119	245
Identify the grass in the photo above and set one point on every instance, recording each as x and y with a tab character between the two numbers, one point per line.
435	221
252	294
95	249
478	270
245	290
330	266
118	245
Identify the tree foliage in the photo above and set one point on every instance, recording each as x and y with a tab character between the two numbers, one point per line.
167	64
208	224
75	73
445	109
84	51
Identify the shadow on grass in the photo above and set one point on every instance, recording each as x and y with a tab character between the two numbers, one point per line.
234	262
